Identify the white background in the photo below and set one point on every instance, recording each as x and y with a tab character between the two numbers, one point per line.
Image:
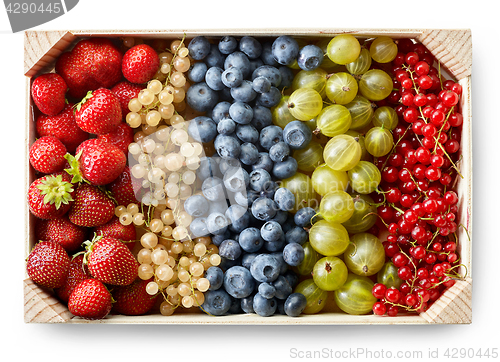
79	342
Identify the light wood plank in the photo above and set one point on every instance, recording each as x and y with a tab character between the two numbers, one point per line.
40	306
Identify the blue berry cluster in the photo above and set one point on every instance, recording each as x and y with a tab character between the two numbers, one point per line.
242	207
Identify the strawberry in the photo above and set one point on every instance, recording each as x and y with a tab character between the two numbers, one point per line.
121	137
77	272
99	112
90	300
124	188
46	154
91	64
49	93
114	229
110	261
48	264
62	231
133	299
97	162
91	206
50	196
125	91
140	63
63	126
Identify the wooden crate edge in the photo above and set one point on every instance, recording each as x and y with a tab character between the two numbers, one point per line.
40	306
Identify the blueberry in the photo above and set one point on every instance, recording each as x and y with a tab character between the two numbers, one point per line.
271	231
217	302
250	46
267	290
215	276
216	223
230	249
268	190
198	227
218	239
285	49
236	179
264	209
250	240
239	60
226	126
265	268
271	73
279	152
276	245
214	58
244	92
261	84
262	117
220	111
284	198
285	169
281	262
293	254
270	135
199	47
292	278
280	217
196	205
310	57
297	135
267	54
296	235
213	78
295	304
201	97
227	44
269	99
227	146
264	162
247	133
202	129
245	198
241	112
287	76
247	304
238	217
255	63
227	163
264	307
249	154
283	288
303	216
247	259
208	168
213	189
197	72
238	282
232	77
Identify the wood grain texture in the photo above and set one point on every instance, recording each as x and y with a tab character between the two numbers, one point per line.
453	48
41	48
454	306
40	306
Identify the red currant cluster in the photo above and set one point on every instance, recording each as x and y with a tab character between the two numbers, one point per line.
417	203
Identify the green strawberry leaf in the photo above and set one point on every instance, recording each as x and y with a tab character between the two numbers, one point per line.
74	169
56	191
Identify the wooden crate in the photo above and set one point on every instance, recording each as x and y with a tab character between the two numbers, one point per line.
452	47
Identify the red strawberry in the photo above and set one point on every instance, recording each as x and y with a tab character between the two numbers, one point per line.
90	300
91	206
133	299
93	63
96	161
140	63
46	154
77	272
62	231
110	261
99	112
121	137
125	91
49	93
62	126
114	229
50	196
124	188
48	264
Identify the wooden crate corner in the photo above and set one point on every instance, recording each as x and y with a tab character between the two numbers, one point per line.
40	306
